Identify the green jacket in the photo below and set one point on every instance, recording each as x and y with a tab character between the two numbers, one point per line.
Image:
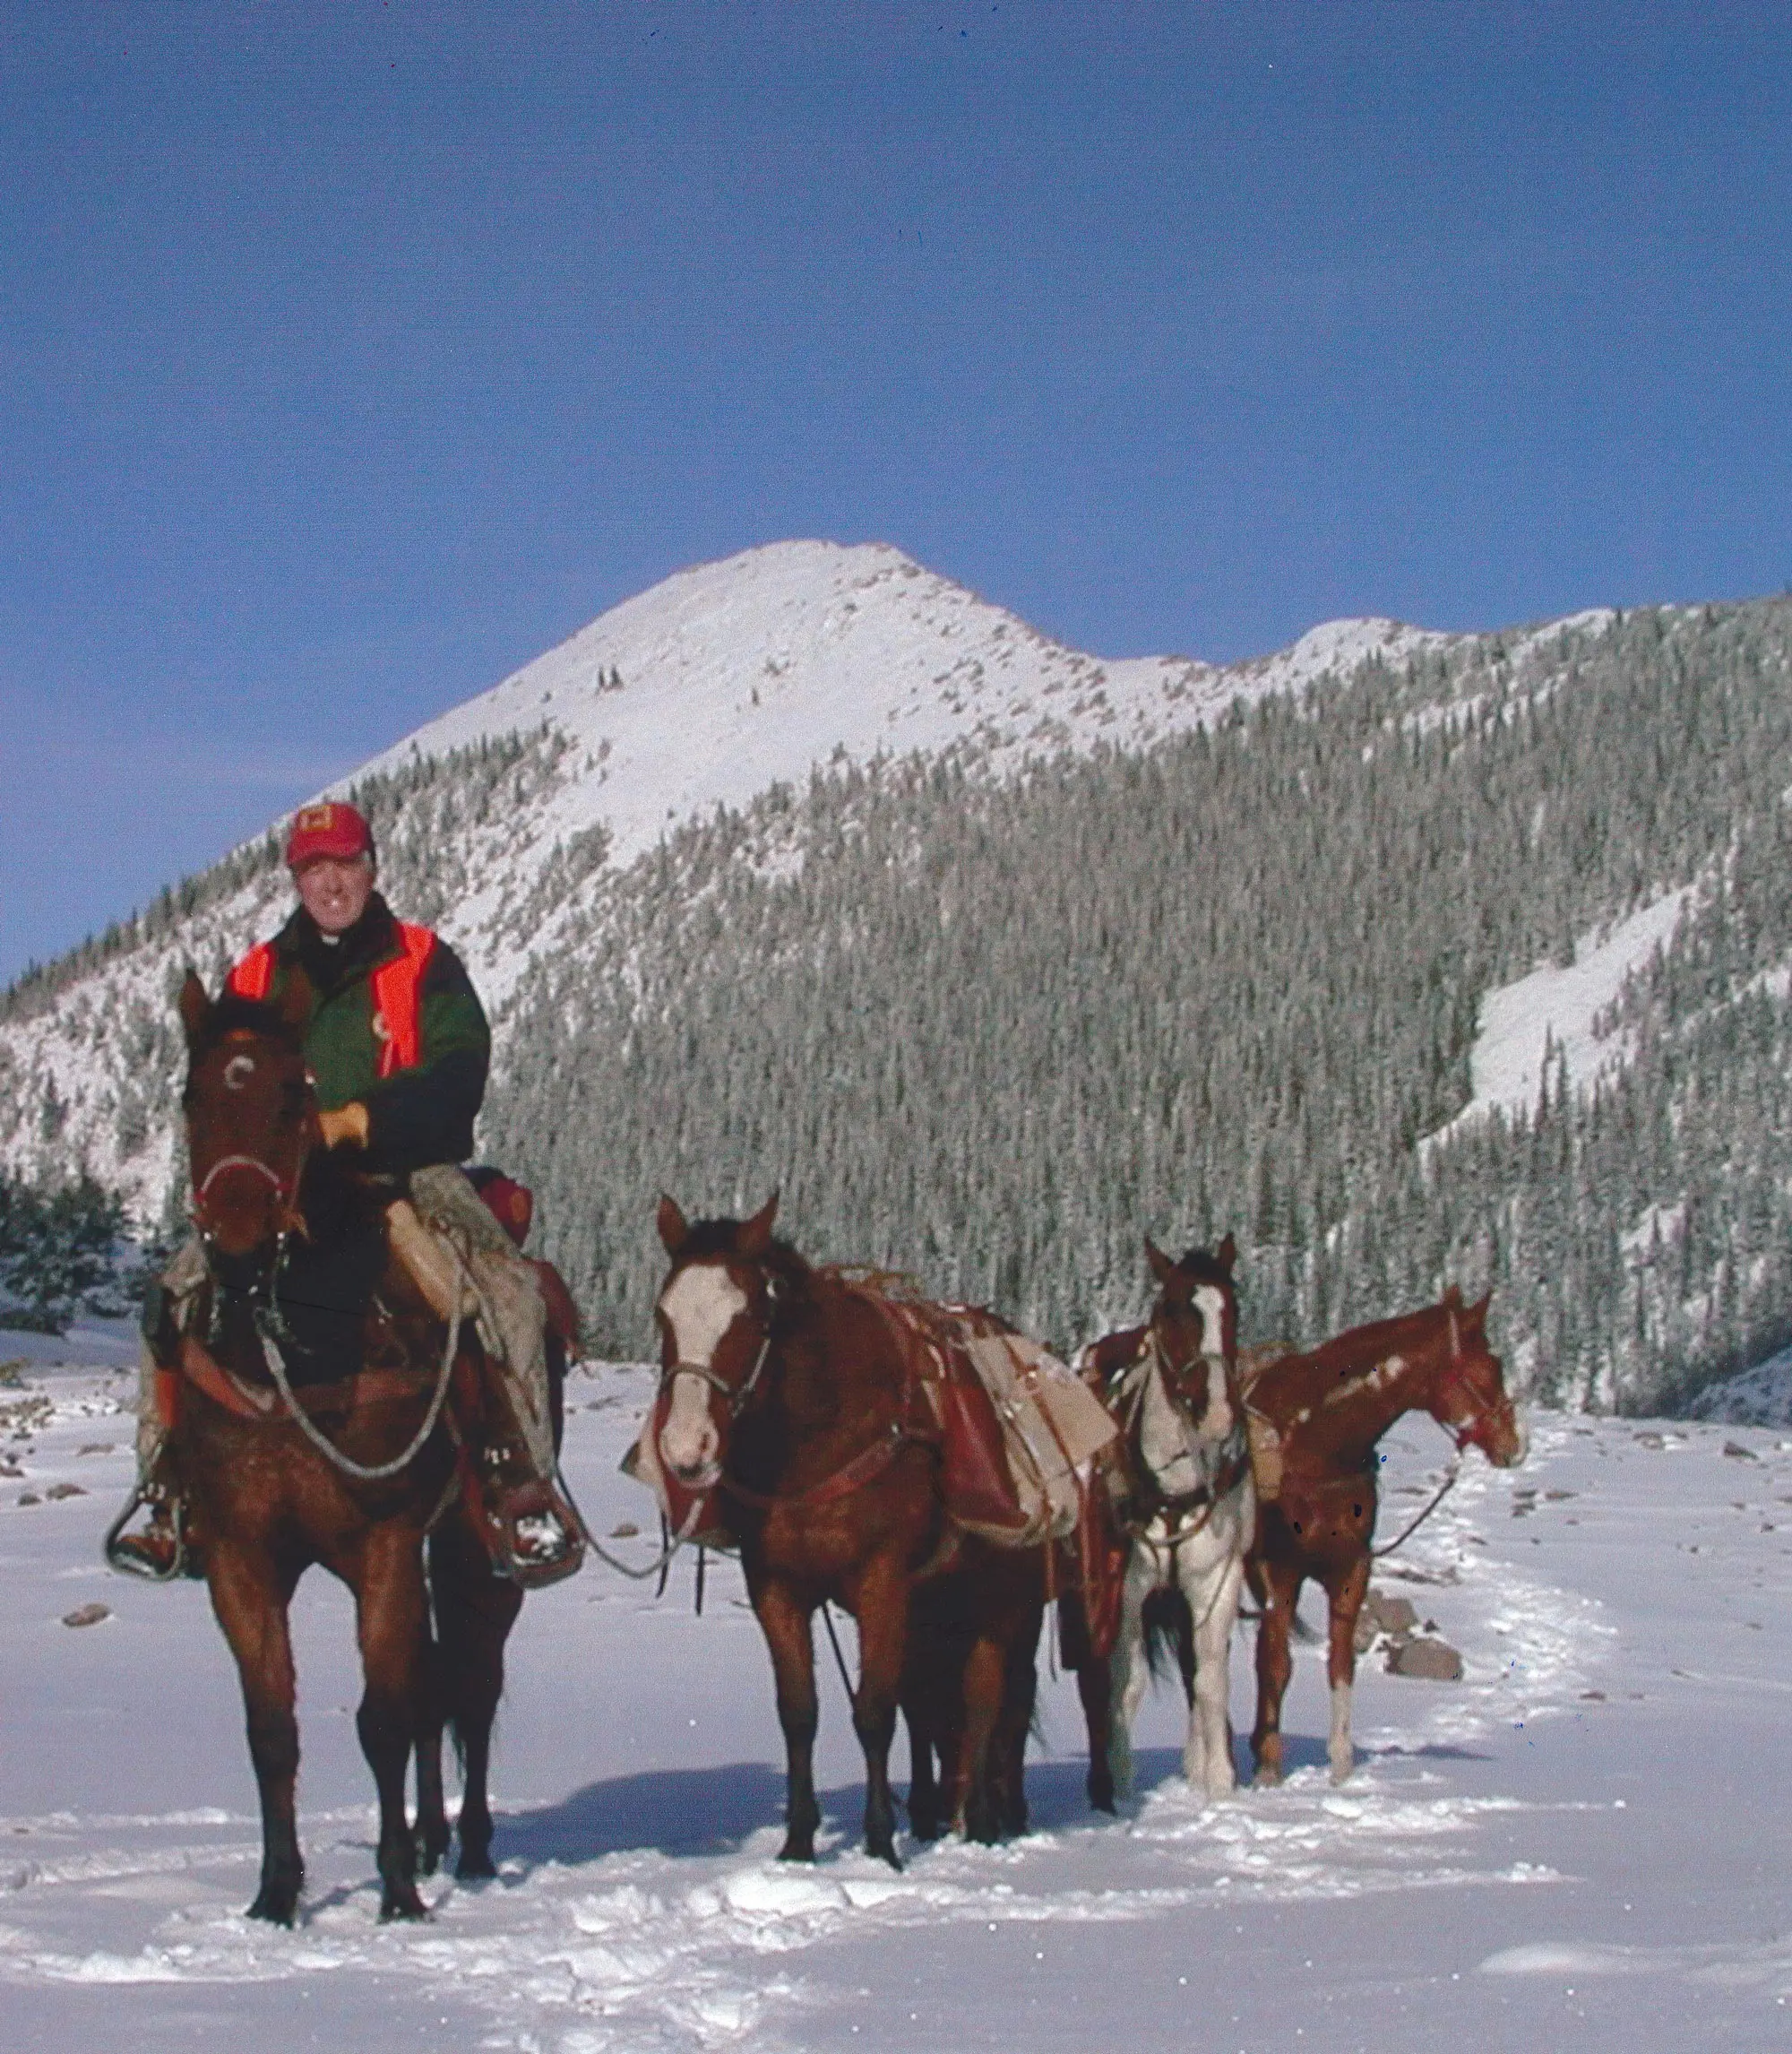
420	1114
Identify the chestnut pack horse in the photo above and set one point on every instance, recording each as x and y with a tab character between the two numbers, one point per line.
1329	1409
786	1389
302	1292
1187	1512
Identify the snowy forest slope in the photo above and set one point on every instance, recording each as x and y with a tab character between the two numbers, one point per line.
811	870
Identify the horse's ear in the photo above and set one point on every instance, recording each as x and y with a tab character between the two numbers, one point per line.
1162	1267
297	1001
196	1008
1226	1254
755	1234
1478	1312
674	1228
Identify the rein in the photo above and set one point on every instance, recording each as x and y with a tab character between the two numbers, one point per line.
281	1183
272	1329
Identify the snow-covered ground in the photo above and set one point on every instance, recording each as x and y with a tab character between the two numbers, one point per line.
1578	1845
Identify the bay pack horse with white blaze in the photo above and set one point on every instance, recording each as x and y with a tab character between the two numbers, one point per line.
309	1400
787	1389
1328	1410
1186	1506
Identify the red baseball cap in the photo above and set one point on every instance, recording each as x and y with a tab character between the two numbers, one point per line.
333	829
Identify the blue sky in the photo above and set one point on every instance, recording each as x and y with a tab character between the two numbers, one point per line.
353	354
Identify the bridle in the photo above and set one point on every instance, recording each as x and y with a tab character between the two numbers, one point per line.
227	1271
1219	1467
733	1396
1461	1416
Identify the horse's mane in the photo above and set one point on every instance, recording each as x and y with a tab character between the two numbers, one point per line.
1349	1357
234	1014
1205	1267
721	1237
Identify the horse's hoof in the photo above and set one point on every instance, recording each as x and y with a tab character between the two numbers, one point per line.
925	1828
1266	1779
798	1847
431	1847
475	1867
277	1905
401	1902
885	1850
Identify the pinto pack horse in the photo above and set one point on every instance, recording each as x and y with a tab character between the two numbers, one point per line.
1329	1409
308	1400
788	1390
1186	1510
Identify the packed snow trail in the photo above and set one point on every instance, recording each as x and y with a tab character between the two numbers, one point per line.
1565	1849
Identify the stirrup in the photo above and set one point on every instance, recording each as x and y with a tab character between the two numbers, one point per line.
131	1554
535	1536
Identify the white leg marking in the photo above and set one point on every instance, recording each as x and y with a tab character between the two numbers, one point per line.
1127	1671
1341	1749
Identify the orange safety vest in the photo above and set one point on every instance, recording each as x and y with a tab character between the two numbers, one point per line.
397	1016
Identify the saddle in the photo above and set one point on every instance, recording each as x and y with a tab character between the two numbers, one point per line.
1017	1433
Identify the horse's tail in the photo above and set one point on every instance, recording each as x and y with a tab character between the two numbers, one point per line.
1170	1630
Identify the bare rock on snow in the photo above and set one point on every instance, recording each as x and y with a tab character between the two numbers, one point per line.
1383	1614
1435	1660
87	1615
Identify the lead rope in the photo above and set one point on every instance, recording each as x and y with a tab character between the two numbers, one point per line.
1444	1490
839	1659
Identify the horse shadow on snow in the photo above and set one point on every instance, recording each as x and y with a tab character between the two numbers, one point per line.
703	1812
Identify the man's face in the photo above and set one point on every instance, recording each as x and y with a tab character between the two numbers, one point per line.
334	890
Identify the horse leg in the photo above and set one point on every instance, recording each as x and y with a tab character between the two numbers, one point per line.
983	1681
786	1621
1275	1664
1020	1694
882	1633
392	1608
1345	1596
432	1833
1095	1687
250	1597
924	1789
1129	1669
475	1613
1076	1650
1213	1609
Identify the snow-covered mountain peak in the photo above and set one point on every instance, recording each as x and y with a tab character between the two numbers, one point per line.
731	676
716	684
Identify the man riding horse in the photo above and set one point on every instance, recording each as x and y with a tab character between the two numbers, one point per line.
399	1047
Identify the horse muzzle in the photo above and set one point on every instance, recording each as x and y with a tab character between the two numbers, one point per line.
690	1441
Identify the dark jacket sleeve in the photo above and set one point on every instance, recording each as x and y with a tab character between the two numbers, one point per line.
425	1114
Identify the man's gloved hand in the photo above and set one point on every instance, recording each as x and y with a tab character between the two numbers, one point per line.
347	1126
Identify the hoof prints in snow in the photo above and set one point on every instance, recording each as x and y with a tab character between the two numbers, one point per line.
656	1950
